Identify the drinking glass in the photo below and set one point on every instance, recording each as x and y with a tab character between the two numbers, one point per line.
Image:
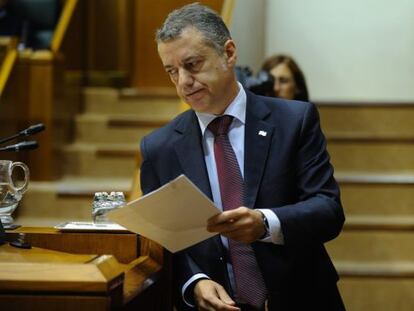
103	203
11	190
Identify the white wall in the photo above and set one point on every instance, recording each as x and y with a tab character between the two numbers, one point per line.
349	50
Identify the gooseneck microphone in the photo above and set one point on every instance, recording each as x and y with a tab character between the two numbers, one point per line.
24	145
31	130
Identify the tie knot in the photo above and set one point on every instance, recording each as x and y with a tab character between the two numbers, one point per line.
220	125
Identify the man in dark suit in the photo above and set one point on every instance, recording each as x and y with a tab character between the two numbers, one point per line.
278	209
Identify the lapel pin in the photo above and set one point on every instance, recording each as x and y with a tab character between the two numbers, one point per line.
262	133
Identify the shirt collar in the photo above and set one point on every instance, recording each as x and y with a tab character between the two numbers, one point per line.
236	109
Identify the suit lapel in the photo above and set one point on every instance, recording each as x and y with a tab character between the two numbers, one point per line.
189	150
258	136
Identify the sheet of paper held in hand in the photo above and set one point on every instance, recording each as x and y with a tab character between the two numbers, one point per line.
174	215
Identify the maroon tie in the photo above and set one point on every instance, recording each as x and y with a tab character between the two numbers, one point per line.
250	287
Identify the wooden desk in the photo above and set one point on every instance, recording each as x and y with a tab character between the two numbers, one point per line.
82	271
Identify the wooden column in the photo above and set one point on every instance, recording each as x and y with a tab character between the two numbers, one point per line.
40	109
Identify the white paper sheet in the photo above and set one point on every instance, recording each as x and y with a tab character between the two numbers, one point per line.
86	226
174	215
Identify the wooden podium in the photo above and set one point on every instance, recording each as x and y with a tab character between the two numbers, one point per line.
82	271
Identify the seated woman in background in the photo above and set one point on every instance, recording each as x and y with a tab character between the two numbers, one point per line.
289	80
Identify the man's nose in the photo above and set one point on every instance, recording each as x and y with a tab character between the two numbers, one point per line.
185	78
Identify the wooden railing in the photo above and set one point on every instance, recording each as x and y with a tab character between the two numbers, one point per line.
62	26
8	45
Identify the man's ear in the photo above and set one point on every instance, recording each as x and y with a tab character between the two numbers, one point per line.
230	53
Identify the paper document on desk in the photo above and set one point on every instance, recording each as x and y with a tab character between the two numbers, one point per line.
174	215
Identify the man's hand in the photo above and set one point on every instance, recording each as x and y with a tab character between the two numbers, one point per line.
211	296
240	224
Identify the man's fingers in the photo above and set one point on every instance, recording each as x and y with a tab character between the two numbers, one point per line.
225	220
241	224
223	217
225	297
232	224
221	305
208	296
223	227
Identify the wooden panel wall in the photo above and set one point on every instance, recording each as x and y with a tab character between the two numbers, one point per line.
147	68
115	39
98	43
108	34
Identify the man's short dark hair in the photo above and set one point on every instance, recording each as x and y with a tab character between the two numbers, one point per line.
202	18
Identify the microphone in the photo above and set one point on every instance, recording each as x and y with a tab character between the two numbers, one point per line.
29	131
24	145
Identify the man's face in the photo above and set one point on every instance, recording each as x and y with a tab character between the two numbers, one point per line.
204	79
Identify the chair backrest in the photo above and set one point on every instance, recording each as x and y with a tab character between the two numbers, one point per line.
38	18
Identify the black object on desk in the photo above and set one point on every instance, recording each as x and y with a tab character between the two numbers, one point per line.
2	234
20	242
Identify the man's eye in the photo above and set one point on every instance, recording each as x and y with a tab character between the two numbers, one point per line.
172	72
194	65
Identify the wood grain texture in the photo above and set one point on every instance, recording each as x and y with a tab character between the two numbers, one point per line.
16	302
56	276
124	246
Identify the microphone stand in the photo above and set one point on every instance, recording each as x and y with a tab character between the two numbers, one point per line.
31	130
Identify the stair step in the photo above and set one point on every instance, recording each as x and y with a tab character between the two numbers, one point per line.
350	120
387	269
379	294
372	245
393	178
143	92
100	160
71	186
95	128
374	238
101	100
381	223
376	193
379	286
372	156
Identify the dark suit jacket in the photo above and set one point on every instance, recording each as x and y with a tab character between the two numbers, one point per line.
288	171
